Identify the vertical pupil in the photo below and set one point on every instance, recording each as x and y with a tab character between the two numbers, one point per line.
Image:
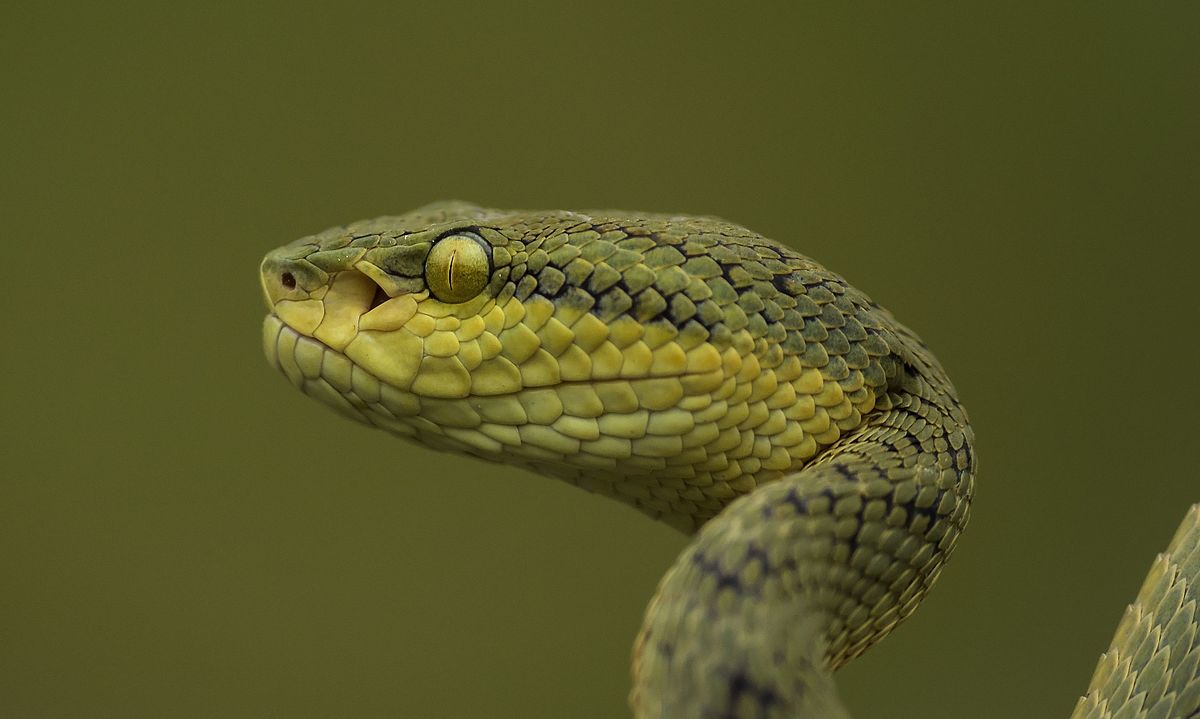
450	270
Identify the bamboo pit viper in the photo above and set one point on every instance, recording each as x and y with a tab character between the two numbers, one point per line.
715	380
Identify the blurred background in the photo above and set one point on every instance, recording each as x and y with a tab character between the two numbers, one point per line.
183	534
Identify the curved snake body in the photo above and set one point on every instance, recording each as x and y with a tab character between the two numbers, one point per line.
713	379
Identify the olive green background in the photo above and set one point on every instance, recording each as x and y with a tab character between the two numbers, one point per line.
183	534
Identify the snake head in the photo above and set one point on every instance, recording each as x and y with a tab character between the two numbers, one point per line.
454	301
393	295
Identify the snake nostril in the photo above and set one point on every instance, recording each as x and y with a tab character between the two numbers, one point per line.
288	280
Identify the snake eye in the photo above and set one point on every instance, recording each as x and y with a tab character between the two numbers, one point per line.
457	268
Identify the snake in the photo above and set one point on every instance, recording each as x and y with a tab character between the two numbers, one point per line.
810	445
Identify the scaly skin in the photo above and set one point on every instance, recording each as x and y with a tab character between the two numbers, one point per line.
1152	668
710	377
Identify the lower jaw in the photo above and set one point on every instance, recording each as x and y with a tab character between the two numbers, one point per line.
331	378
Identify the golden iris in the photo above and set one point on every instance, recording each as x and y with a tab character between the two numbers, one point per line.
457	268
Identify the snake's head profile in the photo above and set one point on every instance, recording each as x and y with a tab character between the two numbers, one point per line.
673	362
